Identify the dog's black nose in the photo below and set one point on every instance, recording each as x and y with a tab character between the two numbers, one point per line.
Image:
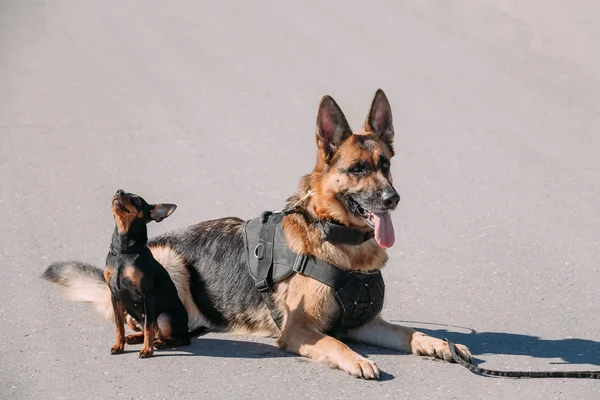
390	198
119	192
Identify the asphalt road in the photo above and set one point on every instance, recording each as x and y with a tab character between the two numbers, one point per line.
212	105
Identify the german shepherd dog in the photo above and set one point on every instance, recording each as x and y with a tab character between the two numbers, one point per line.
350	184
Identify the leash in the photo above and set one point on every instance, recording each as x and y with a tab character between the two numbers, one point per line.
301	202
519	374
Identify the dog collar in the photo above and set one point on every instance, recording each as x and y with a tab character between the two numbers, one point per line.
331	231
127	249
335	233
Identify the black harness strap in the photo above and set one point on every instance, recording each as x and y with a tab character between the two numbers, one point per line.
358	294
320	270
264	253
264	250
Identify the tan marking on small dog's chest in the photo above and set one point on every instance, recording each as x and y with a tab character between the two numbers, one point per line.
133	274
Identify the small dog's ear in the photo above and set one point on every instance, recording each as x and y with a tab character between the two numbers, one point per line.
161	211
379	120
332	127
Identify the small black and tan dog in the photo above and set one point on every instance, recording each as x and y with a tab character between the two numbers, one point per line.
140	286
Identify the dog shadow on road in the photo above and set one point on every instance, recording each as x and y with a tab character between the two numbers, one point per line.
569	350
228	347
234	347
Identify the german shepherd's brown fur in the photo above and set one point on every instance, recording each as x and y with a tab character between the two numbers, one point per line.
208	265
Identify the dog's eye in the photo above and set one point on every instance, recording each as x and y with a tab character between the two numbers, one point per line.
384	165
357	169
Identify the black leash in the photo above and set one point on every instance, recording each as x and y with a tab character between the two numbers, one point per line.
519	374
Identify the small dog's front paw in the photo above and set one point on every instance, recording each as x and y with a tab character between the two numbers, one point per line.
424	345
117	349
146	353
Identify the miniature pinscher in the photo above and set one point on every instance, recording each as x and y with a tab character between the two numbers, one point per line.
140	286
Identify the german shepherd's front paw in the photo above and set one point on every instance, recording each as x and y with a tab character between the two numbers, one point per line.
117	349
146	352
160	344
361	368
462	350
424	345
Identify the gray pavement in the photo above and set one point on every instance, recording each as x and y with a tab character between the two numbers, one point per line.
211	105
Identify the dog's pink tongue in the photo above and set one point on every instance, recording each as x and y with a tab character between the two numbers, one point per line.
384	229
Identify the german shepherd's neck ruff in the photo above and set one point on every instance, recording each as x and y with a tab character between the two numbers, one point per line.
351	184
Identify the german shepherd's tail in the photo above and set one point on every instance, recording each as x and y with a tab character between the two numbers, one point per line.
83	283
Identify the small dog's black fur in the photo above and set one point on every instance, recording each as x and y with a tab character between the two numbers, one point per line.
140	285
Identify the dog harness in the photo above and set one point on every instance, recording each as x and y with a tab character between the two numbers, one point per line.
270	260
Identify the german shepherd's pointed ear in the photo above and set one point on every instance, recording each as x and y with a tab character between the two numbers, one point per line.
379	120
161	211
332	127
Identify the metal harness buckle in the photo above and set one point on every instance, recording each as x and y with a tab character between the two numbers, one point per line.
262	286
